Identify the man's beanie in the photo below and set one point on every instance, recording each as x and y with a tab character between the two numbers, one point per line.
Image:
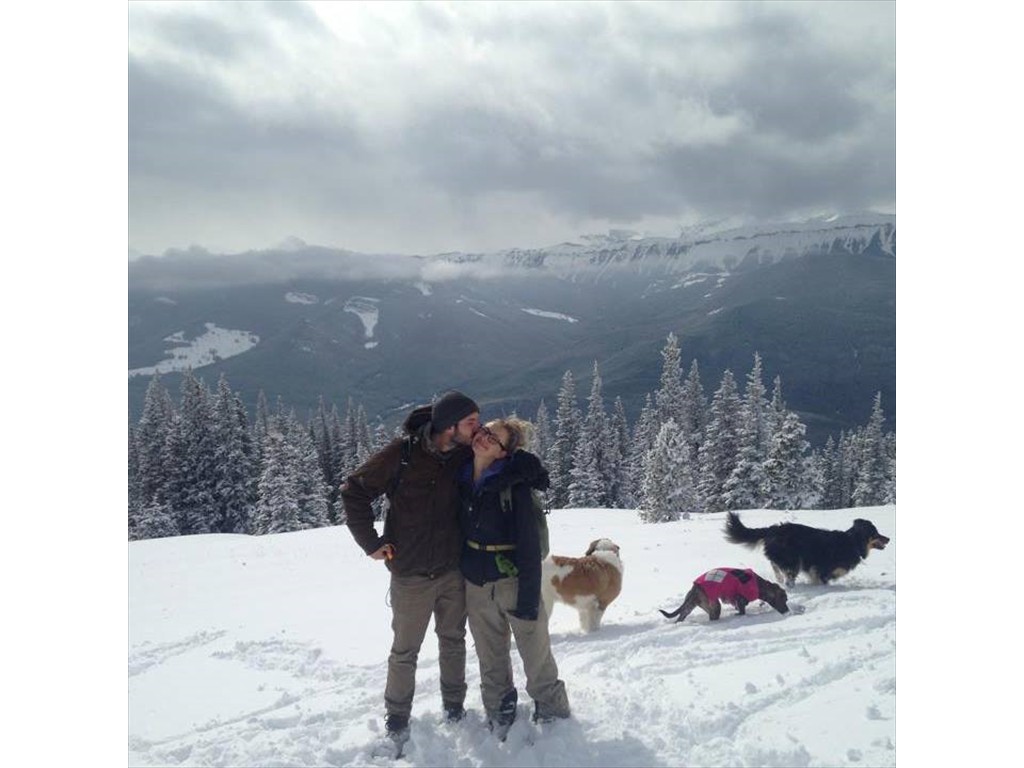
449	409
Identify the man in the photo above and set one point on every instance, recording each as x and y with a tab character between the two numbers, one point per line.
421	545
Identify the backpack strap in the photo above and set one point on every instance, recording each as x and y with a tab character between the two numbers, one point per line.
404	458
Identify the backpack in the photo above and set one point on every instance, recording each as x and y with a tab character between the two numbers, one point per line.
416	419
540	513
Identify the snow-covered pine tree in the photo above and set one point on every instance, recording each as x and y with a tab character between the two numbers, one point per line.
872	461
720	451
695	413
890	486
542	433
277	509
151	443
786	473
755	405
154	520
669	399
849	447
345	447
324	445
830	476
567	427
234	466
644	434
776	412
744	487
334	430
311	490
588	485
668	491
135	500
192	495
363	437
618	442
261	424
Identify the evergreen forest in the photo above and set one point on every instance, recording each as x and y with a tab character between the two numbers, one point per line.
204	465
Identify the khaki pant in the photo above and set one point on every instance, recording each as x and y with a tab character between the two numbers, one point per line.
413	600
492	625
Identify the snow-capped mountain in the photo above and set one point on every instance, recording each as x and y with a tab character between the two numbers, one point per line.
700	251
816	299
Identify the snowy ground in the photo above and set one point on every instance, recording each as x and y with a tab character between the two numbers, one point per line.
270	651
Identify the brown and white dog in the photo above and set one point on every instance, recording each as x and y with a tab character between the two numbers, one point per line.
736	586
589	583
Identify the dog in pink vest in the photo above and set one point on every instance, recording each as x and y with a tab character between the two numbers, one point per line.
736	586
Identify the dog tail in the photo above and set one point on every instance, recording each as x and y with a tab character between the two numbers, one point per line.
738	533
670	615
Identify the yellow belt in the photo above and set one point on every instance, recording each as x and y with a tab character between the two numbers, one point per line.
490	547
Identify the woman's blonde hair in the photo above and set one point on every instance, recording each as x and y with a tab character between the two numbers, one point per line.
520	432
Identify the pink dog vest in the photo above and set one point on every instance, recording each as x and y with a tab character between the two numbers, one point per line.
722	584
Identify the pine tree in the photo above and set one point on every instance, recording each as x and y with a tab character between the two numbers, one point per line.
667	487
669	399
193	479
786	474
588	484
831	477
234	465
872	462
644	434
849	446
155	520
755	406
567	427
311	491
261	424
135	500
618	445
542	434
890	486
151	443
334	439
720	452
277	509
743	489
695	418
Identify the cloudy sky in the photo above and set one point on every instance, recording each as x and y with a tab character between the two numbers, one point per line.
427	127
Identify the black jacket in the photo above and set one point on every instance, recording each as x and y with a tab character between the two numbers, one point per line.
484	522
423	520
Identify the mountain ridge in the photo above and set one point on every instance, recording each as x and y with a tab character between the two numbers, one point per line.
815	299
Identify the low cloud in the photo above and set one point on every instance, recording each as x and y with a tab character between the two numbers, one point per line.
422	128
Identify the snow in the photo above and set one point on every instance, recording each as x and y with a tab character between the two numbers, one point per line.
552	315
366	310
294	297
272	650
213	345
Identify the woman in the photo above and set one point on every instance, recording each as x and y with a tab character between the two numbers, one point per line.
501	563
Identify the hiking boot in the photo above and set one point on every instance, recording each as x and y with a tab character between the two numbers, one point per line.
395	724
506	714
453	713
541	716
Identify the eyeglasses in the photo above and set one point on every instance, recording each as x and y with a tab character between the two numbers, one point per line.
493	438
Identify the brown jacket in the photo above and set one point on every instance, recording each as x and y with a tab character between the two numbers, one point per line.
423	520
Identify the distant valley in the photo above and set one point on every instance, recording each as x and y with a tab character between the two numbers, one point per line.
816	299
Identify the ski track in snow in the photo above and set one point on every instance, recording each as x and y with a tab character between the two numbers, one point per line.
778	670
332	699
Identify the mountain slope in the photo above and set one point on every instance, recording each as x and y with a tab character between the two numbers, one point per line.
817	300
